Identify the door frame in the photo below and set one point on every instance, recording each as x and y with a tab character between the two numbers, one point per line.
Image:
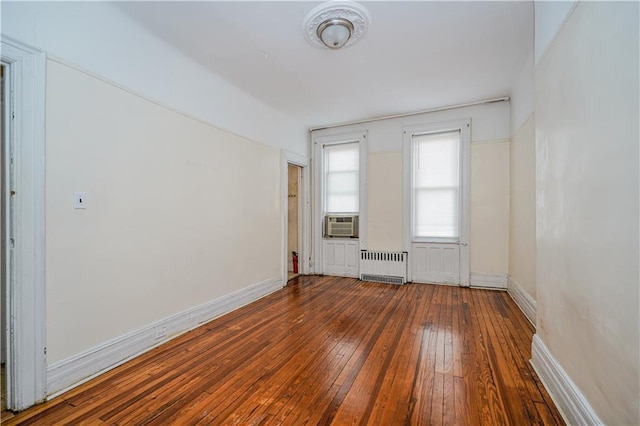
25	230
304	249
464	126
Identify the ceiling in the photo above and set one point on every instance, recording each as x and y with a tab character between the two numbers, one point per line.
416	55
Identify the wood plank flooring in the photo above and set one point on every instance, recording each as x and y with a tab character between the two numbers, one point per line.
3	392
329	350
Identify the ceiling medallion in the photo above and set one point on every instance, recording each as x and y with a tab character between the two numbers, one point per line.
336	24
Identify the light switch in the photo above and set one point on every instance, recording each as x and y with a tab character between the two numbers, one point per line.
80	200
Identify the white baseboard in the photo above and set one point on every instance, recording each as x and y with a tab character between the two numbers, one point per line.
71	372
570	402
525	302
483	280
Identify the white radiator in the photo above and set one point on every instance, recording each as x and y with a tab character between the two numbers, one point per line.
384	267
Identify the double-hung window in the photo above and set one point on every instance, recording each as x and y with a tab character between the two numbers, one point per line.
342	178
436	201
340	208
435	186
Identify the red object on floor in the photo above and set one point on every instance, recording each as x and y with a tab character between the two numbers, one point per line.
294	257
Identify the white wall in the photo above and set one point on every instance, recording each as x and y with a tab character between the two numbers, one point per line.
587	153
522	95
490	207
490	122
176	210
384	177
550	16
490	129
98	37
167	154
522	207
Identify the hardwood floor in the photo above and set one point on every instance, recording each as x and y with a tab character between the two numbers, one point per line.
4	414
329	350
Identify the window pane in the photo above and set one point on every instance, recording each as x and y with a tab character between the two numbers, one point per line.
438	213
342	204
436	160
342	183
436	185
342	178
342	157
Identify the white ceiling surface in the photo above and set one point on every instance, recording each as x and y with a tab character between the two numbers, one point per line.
415	56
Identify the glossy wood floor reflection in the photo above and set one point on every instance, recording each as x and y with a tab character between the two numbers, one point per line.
328	350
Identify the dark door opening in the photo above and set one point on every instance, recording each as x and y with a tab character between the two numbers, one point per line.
293	221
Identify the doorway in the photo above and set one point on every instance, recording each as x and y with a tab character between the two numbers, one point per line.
294	190
23	237
294	214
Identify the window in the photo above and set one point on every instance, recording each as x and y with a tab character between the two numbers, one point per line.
339	191
342	178
436	185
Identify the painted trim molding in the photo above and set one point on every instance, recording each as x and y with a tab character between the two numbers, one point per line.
304	220
71	372
525	302
494	280
571	403
24	231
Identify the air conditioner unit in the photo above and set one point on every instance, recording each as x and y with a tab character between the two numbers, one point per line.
345	226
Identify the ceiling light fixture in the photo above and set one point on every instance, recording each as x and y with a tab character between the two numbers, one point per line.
335	32
336	24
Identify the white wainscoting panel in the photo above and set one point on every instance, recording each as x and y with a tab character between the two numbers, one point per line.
525	302
436	263
71	372
571	403
483	280
341	257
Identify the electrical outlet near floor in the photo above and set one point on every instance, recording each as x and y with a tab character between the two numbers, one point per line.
161	331
448	279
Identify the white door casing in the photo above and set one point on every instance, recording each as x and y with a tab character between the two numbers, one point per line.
304	213
25	156
438	261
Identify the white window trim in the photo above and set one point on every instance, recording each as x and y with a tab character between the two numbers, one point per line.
464	126
318	209
26	349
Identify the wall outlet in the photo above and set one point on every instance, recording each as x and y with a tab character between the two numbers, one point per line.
161	331
448	280
80	200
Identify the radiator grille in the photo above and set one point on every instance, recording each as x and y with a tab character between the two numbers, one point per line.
385	267
382	279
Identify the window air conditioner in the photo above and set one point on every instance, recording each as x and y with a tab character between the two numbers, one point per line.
345	226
